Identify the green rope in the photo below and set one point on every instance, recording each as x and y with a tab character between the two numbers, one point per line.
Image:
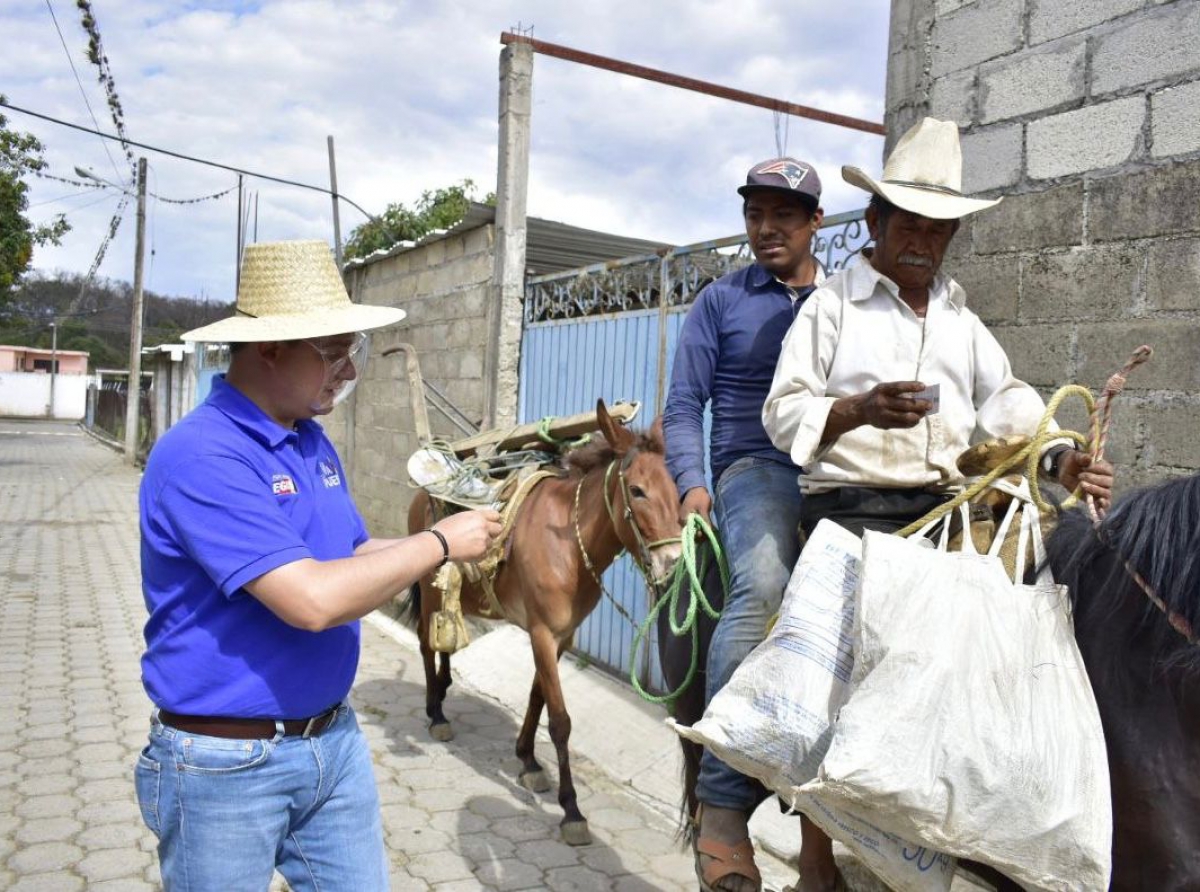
687	579
543	432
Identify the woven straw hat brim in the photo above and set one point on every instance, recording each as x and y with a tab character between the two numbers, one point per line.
314	324
292	290
931	203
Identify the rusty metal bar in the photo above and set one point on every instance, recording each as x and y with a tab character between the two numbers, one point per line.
690	83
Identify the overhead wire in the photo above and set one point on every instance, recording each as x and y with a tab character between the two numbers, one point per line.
88	204
66	197
4	103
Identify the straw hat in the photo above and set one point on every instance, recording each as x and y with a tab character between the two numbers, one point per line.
292	290
924	174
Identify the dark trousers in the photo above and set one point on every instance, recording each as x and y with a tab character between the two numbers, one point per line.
861	508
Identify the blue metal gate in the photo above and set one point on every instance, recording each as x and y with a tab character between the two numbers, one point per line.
610	331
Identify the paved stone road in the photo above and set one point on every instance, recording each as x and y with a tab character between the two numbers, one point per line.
74	716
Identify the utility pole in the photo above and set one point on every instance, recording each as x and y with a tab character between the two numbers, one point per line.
352	403
333	196
237	280
133	392
53	365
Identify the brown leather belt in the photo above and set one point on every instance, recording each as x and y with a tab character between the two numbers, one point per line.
247	729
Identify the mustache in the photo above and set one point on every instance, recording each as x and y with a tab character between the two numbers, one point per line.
914	260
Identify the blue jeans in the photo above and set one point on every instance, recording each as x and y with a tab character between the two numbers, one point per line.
228	812
757	510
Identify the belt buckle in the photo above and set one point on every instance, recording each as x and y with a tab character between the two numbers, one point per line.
308	726
317	723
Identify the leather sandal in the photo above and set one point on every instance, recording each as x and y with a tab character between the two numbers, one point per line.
727	860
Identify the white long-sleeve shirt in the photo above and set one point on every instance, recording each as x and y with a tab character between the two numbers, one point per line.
855	332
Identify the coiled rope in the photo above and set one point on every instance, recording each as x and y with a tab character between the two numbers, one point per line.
1100	412
687	580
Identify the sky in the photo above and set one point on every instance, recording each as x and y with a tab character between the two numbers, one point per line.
408	90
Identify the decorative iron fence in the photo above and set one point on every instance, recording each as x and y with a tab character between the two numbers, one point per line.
638	283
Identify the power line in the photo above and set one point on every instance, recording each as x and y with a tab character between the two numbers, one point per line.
69	195
141	145
78	207
98	183
82	92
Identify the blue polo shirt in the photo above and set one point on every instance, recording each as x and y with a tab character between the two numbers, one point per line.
726	356
228	495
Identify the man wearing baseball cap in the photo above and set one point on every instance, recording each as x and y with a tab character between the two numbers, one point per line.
725	360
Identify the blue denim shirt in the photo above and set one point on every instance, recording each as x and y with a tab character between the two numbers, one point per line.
726	356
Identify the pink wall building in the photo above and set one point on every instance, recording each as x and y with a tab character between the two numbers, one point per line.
36	359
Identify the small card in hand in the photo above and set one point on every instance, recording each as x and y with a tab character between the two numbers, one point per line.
933	395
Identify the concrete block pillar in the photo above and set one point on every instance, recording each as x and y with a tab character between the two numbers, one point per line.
501	361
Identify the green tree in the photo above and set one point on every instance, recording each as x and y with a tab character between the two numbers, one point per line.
439	209
20	155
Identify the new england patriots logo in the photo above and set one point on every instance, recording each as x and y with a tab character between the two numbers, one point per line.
791	171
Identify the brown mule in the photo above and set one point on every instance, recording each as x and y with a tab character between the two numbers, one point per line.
615	495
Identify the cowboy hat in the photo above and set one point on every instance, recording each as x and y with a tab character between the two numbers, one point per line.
289	291
923	174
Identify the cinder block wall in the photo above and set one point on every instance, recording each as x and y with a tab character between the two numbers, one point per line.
444	286
1086	116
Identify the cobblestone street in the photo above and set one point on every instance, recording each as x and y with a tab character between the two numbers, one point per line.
71	615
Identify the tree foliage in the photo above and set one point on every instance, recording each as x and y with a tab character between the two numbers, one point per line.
20	155
439	209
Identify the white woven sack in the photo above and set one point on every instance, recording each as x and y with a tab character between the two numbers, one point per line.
774	718
972	726
903	866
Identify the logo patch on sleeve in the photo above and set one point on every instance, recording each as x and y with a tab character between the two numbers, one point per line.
329	474
283	485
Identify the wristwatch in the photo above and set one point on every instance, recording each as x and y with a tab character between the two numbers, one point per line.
1052	461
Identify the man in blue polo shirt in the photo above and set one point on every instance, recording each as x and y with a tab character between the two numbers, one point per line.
726	360
255	569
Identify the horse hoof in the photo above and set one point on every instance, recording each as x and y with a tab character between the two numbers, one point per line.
576	833
535	781
441	731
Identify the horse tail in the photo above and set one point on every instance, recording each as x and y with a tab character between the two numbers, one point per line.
410	611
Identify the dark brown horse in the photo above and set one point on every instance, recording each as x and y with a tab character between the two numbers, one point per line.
614	495
1143	661
1144	665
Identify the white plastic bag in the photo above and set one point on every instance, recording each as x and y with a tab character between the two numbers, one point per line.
972	726
774	719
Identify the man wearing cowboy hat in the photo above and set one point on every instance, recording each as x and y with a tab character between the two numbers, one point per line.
255	569
725	360
886	377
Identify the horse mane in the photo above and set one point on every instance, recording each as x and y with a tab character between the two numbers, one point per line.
1156	530
598	452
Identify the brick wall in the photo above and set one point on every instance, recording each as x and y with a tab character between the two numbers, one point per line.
445	286
1086	116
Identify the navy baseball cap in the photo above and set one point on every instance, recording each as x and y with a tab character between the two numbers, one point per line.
785	175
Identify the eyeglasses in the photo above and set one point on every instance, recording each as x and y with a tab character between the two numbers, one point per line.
337	357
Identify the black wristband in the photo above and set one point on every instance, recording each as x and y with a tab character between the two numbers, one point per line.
445	546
